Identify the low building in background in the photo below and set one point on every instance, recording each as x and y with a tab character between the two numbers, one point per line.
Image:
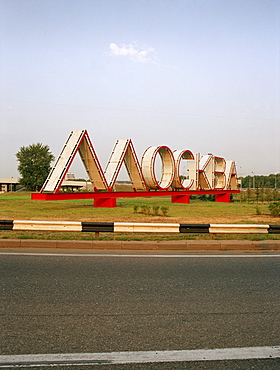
70	184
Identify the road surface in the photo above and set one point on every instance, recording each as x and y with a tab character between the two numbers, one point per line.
76	303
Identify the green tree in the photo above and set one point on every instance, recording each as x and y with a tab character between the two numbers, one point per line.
34	165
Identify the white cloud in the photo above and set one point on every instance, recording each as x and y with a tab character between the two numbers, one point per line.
146	55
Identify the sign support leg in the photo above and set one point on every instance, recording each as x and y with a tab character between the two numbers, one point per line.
105	202
225	198
180	199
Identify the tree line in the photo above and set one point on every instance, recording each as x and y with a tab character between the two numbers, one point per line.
271	181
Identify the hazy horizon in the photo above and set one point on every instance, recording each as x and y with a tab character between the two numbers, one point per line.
199	75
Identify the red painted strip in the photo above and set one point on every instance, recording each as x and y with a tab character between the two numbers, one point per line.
125	194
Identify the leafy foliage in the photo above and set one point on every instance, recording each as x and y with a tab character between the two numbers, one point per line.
34	165
164	210
261	181
156	209
152	210
275	209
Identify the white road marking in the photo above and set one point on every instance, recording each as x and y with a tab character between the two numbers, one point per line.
223	354
140	255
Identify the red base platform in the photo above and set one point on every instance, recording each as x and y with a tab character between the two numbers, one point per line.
109	200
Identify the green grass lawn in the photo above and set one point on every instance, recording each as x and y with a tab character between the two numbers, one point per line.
19	206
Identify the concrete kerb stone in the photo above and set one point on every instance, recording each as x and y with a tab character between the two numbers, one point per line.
155	245
74	244
236	245
189	245
106	244
139	245
267	245
172	245
40	243
203	245
10	243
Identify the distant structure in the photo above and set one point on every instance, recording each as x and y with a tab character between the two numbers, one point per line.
8	184
70	176
12	184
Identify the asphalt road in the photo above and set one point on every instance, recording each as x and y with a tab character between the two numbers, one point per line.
89	304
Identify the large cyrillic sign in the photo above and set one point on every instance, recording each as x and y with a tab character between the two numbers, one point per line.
180	169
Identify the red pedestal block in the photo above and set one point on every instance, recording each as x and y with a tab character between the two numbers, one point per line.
180	199
224	197
105	202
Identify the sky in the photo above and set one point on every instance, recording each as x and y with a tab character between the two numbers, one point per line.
202	75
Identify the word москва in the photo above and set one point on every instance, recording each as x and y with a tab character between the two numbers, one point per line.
206	172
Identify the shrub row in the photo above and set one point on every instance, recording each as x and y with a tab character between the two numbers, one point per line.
275	209
151	210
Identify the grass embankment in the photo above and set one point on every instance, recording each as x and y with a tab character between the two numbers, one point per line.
19	206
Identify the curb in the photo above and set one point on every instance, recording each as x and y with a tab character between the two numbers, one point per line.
186	245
